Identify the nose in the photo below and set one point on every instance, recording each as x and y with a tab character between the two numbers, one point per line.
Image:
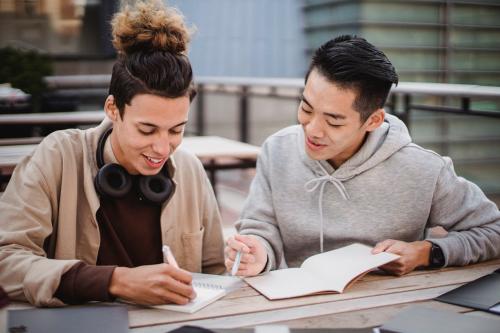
161	145
314	127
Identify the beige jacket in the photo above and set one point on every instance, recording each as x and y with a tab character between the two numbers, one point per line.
51	193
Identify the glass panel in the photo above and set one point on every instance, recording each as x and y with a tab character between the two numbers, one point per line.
400	12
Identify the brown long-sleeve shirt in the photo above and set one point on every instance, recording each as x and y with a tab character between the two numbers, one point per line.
130	237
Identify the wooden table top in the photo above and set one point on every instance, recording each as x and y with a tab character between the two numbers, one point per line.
369	302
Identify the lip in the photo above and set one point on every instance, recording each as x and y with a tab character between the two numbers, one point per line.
152	164
313	146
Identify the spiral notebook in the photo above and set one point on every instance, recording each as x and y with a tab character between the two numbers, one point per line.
209	288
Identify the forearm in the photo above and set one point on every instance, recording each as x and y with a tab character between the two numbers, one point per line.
84	283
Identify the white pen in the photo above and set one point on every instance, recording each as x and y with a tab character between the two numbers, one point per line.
168	256
236	265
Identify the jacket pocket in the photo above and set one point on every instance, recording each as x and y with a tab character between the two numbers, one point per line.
192	244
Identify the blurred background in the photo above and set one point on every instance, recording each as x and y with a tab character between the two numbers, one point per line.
249	59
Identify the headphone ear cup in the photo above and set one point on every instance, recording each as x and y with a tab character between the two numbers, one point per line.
156	188
113	180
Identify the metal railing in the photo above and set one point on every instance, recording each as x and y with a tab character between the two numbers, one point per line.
401	100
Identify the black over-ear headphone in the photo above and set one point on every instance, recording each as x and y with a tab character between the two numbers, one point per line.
114	181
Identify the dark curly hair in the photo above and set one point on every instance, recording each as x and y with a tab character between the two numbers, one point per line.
151	40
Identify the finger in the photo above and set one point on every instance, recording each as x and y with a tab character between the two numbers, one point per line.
382	246
248	259
237	245
395	248
229	264
168	296
390	270
390	266
249	241
180	288
179	274
229	252
245	272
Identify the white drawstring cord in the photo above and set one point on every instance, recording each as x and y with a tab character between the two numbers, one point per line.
313	184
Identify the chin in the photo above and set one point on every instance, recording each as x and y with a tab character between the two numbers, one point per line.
313	155
149	172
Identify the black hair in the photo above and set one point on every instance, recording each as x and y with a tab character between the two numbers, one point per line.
350	62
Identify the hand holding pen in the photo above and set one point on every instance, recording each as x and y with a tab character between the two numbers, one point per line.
245	255
153	284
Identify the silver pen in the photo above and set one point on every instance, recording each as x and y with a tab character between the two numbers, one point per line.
236	265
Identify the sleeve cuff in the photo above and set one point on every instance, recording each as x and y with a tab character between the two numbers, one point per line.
84	283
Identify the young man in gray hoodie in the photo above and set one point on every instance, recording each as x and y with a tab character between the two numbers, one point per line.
350	173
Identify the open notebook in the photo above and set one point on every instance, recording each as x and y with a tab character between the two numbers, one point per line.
209	288
326	272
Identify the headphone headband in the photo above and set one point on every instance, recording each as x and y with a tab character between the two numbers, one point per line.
100	147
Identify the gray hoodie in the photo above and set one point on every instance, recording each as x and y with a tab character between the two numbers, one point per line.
391	188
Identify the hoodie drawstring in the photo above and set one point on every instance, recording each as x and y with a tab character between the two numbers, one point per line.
313	184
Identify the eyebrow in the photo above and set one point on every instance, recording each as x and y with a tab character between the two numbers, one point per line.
335	116
304	99
153	125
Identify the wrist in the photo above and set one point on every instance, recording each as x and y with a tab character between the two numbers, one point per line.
117	284
425	253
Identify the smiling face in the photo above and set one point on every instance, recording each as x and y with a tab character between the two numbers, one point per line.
333	128
149	131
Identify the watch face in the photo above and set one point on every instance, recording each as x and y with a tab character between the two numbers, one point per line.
437	257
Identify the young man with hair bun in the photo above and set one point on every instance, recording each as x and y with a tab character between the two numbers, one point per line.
84	217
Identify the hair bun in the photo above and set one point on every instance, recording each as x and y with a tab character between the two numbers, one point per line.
149	26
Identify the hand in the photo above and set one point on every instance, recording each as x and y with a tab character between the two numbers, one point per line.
253	257
152	284
412	254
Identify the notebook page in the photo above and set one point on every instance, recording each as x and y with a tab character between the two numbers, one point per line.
204	296
284	283
340	266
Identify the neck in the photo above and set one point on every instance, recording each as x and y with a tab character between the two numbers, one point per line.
340	159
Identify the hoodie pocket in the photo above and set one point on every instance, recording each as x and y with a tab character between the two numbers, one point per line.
193	247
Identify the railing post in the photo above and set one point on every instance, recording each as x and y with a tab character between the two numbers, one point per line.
405	115
244	130
200	111
466	104
393	103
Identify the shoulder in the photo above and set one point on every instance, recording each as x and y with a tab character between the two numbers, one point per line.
58	146
186	163
286	137
421	157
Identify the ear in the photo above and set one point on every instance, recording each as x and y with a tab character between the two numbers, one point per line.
111	109
375	120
